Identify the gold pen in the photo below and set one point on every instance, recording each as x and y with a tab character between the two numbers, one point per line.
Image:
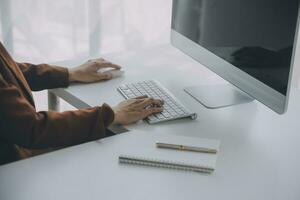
185	148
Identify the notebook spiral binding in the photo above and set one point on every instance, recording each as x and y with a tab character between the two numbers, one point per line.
164	164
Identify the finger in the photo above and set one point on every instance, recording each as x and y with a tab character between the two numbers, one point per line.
106	64
104	76
146	102
137	102
158	102
153	110
96	60
99	60
150	102
102	63
115	66
109	65
141	97
110	71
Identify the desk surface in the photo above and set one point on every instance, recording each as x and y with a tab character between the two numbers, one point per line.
258	159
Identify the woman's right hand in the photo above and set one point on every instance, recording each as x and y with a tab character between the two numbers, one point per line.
133	110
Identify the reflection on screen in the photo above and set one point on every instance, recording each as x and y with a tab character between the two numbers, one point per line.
256	36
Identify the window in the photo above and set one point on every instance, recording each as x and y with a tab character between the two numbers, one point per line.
51	31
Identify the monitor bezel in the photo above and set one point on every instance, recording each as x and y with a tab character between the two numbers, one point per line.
245	82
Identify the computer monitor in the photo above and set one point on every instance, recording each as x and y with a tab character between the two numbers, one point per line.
249	43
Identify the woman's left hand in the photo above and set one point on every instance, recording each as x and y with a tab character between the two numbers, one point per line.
89	71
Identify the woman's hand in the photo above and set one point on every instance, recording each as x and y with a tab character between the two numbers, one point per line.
133	110
88	72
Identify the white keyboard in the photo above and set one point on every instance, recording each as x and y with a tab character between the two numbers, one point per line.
173	109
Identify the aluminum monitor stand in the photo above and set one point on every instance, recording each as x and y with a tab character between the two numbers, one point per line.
218	96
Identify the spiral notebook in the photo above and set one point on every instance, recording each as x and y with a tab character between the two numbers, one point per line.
147	154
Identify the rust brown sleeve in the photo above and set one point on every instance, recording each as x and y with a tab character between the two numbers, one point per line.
20	123
44	76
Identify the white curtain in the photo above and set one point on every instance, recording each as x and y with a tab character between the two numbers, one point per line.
54	30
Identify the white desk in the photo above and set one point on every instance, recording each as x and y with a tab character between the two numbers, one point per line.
258	159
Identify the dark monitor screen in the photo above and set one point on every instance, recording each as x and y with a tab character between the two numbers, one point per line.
256	36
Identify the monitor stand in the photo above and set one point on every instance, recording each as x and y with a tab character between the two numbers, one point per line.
218	96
